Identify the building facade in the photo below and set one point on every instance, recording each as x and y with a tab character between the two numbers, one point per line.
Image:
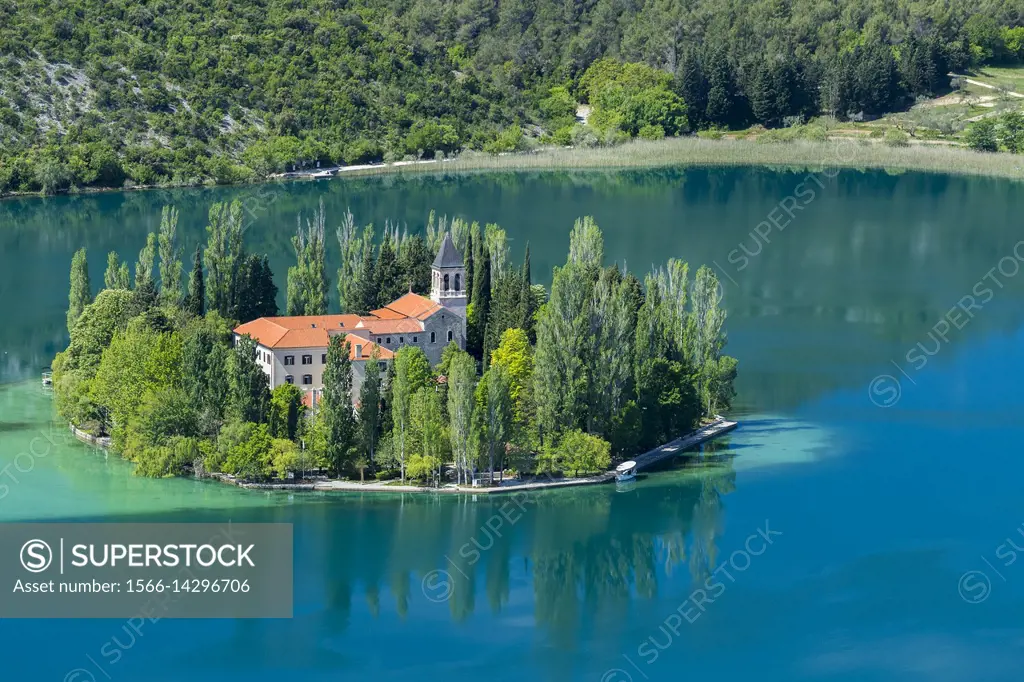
293	349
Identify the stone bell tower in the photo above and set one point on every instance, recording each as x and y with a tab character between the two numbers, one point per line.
448	278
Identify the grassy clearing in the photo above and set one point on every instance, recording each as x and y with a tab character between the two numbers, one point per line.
1005	77
693	151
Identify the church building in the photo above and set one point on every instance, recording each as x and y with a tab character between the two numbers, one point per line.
293	350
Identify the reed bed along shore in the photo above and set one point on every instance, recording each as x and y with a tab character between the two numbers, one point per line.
693	151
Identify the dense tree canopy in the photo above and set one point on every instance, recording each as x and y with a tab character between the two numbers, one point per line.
100	93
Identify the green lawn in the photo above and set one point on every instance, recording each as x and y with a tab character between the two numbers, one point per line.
1006	77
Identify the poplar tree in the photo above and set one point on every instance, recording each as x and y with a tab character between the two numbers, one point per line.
412	372
223	256
146	262
307	279
351	246
80	293
461	389
493	414
369	405
336	403
195	300
170	257
116	275
564	358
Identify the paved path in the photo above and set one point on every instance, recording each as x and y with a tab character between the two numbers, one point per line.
669	450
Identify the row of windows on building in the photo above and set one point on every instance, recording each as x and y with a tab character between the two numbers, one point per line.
386	340
307	379
306	359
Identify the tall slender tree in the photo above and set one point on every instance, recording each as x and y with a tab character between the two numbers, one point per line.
116	275
336	404
364	289
307	279
494	414
170	257
144	266
386	275
80	294
223	256
195	300
249	386
481	307
461	389
412	372
351	247
369	406
469	258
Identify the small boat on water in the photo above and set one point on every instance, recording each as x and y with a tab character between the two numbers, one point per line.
48	379
322	174
625	471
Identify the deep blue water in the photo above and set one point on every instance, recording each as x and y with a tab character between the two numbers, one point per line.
884	493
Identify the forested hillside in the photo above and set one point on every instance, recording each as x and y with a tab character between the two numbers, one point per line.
107	92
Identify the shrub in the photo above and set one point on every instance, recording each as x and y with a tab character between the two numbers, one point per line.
896	138
711	134
652	132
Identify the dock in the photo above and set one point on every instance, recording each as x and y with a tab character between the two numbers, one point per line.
671	449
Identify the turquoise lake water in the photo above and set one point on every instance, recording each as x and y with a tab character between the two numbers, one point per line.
889	489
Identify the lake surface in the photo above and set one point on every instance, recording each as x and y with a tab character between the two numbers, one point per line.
889	489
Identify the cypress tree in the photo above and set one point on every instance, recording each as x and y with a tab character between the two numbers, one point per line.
249	387
386	276
80	293
364	289
195	301
468	258
481	307
526	307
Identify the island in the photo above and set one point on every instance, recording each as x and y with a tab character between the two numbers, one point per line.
446	365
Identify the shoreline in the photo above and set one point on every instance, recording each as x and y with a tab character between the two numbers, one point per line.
702	434
662	453
681	152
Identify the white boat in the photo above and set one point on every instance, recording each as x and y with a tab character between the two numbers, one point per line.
626	471
47	379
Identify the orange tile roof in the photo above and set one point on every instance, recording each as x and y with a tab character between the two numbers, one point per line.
402	325
275	332
410	305
367	348
403	316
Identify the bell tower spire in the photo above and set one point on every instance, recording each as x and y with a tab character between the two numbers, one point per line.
448	278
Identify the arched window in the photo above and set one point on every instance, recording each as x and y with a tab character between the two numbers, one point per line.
307	379
449	335
433	337
458	282
289	379
446	282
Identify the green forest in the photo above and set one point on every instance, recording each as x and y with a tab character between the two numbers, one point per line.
562	382
115	93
